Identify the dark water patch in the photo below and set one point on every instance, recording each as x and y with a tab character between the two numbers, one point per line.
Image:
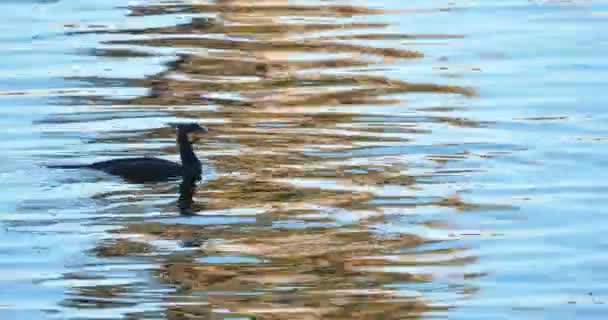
213	26
287	46
333	11
122	247
118	53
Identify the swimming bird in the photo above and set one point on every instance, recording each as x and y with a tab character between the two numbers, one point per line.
148	169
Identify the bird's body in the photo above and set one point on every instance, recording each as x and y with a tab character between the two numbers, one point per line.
148	169
140	168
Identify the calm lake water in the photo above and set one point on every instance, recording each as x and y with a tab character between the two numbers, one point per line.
366	160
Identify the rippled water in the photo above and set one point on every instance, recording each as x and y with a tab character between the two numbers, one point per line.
384	160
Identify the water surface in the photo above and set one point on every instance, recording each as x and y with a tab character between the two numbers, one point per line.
390	160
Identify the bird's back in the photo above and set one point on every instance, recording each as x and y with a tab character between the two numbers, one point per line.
140	169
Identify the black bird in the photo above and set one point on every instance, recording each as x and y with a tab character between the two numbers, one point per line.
147	169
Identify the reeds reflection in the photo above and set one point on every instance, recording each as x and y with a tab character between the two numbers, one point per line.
309	170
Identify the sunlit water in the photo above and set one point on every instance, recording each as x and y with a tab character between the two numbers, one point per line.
392	160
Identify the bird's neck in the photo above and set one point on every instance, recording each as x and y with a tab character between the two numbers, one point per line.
185	150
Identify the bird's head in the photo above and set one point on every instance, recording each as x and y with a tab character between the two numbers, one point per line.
193	131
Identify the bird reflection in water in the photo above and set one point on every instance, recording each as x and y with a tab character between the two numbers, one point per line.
187	188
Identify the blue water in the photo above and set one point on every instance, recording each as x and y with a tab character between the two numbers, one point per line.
527	152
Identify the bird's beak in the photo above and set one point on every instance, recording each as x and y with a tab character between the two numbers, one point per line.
196	135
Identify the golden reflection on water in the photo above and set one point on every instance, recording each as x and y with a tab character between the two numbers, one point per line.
275	83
